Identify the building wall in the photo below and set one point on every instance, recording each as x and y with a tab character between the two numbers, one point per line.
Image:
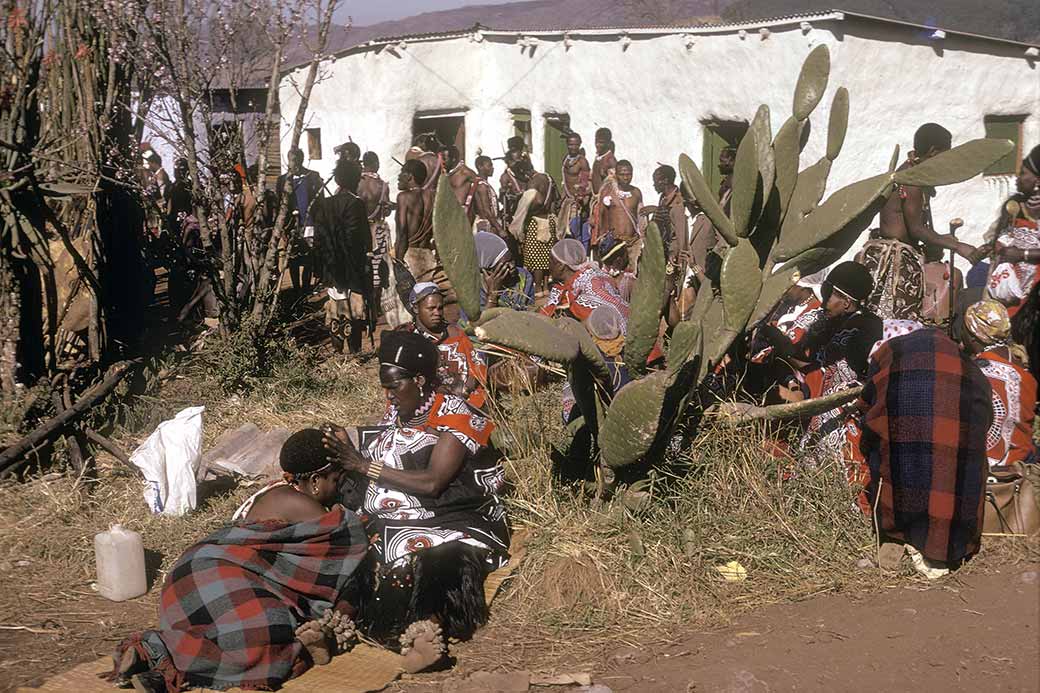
655	94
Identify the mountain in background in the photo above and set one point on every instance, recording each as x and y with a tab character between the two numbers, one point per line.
1018	20
1012	19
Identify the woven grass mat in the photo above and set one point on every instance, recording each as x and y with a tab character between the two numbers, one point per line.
362	670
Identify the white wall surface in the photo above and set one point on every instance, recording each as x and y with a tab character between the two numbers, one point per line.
655	94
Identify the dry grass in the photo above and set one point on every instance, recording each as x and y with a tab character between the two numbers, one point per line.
597	575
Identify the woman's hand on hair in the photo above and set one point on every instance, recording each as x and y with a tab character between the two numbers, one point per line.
341	450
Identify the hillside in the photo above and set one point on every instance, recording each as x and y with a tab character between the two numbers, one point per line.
1018	20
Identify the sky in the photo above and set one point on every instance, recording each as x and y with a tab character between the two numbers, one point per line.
367	12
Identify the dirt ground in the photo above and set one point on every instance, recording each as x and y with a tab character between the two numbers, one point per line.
979	632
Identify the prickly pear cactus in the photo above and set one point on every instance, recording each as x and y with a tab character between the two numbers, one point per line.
648	299
532	334
780	228
456	248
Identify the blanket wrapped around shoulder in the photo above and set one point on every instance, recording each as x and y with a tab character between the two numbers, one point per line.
927	410
231	603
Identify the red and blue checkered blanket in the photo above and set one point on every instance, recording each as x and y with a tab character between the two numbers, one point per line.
232	602
927	411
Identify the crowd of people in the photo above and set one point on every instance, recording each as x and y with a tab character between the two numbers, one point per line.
389	531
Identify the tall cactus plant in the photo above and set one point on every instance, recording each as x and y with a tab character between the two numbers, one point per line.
779	228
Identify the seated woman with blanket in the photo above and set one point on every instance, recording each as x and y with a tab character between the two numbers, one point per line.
925	413
428	498
581	286
262	600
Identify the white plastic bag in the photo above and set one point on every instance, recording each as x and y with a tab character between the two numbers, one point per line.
169	460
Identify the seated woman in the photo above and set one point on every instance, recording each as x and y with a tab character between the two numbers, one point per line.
504	284
462	370
261	601
986	334
926	411
429	502
606	331
580	286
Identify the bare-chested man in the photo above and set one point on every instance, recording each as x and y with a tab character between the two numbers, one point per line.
509	188
485	203
375	193
621	212
575	176
462	178
414	244
894	254
605	162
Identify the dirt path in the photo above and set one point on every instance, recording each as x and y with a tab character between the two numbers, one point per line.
980	632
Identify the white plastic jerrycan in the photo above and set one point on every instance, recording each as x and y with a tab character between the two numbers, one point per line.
120	564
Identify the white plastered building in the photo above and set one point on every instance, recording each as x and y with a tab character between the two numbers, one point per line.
670	90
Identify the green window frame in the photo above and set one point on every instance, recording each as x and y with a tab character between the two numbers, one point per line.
1005	128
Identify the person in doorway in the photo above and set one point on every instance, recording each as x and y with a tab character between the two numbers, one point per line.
344	244
574	209
894	254
727	160
462	371
302	187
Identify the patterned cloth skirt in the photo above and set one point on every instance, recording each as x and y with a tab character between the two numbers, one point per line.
535	252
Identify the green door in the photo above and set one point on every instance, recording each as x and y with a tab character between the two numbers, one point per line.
557	127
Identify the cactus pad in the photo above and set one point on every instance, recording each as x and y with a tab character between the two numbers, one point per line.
956	165
633	420
648	299
455	246
839	123
773	290
532	334
893	163
741	283
685	344
745	183
812	82
808	191
587	345
764	145
698	187
787	150
832	216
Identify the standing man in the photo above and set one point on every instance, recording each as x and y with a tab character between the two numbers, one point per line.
375	193
621	212
462	178
156	189
303	187
670	213
574	210
485	204
604	165
344	244
414	244
894	254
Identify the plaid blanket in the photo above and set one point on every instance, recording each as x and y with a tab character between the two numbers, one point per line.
927	410
232	602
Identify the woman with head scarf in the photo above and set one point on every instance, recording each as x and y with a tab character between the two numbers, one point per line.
1016	250
504	284
427	491
262	600
462	369
985	333
580	286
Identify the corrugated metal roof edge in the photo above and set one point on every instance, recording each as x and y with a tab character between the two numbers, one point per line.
696	29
